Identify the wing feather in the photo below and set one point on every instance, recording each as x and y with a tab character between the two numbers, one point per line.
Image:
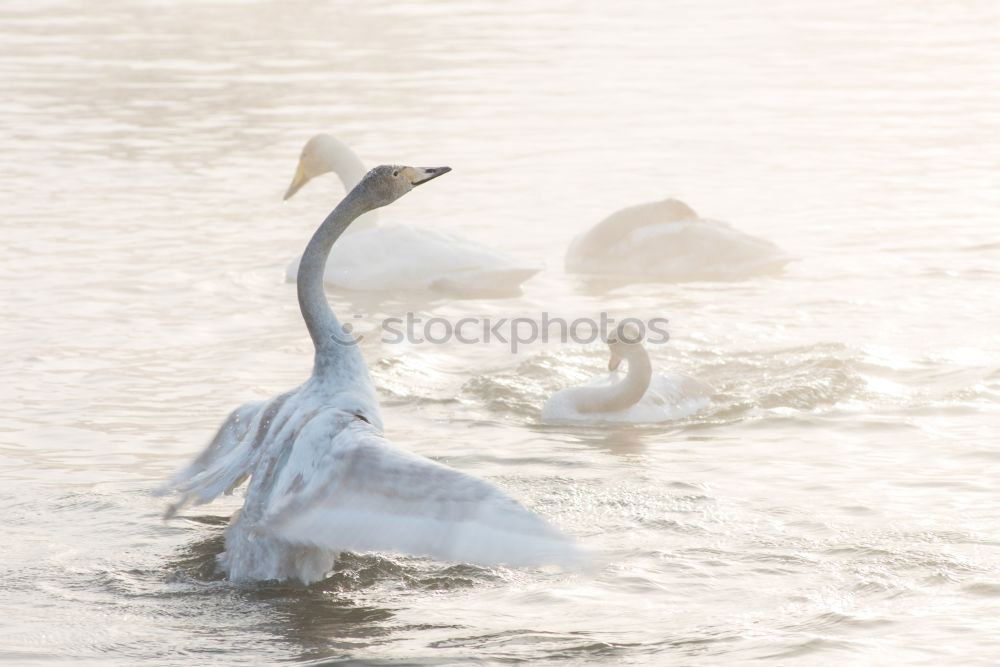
225	440
347	488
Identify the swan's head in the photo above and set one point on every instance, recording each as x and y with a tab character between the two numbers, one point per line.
323	154
621	342
387	183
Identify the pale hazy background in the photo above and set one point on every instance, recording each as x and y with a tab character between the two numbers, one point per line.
837	504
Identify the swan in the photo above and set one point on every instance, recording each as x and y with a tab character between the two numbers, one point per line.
324	479
666	241
639	397
398	257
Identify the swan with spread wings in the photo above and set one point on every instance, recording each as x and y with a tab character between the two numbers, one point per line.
323	478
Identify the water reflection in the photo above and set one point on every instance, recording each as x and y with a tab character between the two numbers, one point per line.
613	439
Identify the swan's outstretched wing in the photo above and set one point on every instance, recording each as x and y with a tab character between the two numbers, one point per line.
226	439
346	488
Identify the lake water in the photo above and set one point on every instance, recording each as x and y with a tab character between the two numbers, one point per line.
837	503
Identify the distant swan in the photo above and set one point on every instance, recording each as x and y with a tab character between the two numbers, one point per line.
323	479
641	397
666	241
397	257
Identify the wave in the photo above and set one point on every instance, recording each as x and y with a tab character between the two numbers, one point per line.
752	384
196	563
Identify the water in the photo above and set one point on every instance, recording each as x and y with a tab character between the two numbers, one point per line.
837	502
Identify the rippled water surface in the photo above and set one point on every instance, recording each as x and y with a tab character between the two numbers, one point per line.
837	503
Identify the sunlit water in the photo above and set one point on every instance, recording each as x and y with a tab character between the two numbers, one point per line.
837	503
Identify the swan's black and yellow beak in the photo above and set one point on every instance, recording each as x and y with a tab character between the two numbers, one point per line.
300	179
425	174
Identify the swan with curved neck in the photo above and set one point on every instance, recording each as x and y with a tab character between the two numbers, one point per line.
323	478
641	396
399	257
324	154
666	241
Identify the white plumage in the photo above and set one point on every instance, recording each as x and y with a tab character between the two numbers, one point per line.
377	257
669	396
639	397
666	241
402	258
323	479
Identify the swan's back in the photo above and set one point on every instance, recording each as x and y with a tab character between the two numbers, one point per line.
666	241
618	226
399	257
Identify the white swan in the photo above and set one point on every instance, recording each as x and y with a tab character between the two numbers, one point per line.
323	479
641	397
666	241
397	257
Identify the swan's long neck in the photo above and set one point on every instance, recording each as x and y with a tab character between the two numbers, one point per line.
626	393
328	336
347	165
349	168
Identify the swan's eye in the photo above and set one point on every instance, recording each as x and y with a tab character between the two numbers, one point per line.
395	173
